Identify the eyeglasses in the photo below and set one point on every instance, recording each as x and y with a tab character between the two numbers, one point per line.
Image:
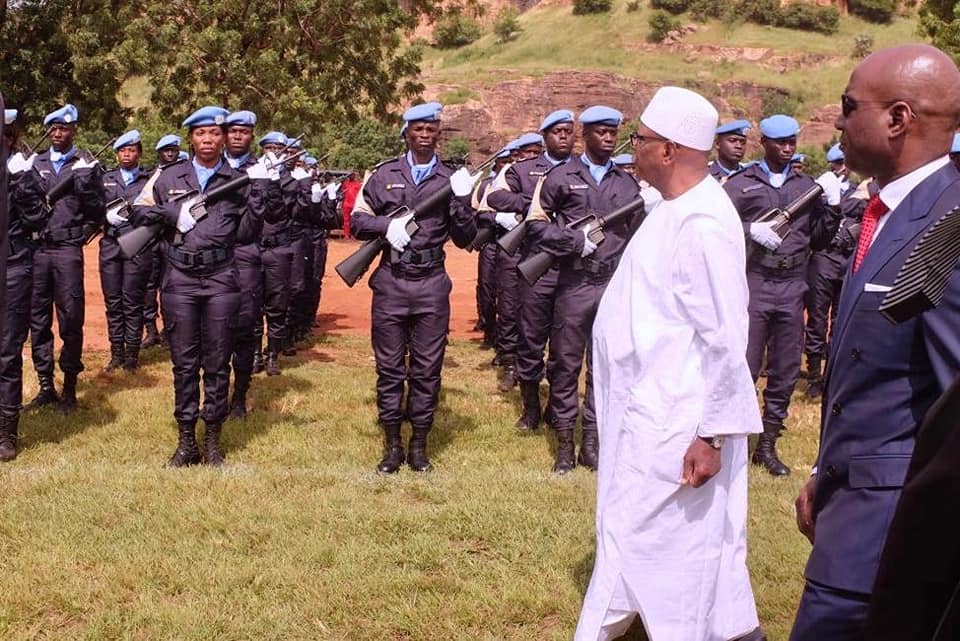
636	138
848	105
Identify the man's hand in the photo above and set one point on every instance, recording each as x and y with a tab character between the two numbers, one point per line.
81	163
700	464
185	220
299	173
588	245
397	234
506	220
462	182
832	189
804	507
17	163
763	233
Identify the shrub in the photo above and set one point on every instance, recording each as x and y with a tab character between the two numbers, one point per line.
758	11
661	23
506	26
582	7
779	101
671	6
456	149
703	10
633	5
862	46
874	10
809	17
455	30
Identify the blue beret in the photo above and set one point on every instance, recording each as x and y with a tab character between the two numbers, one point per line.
956	144
273	138
623	159
738	127
835	154
309	160
529	139
512	145
170	140
206	117
9	116
65	115
183	155
294	143
504	153
600	115
779	126
132	137
429	111
242	118
797	157
557	117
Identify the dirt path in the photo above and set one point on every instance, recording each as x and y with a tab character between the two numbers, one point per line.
343	310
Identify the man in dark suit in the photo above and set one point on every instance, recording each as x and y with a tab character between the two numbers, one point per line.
899	111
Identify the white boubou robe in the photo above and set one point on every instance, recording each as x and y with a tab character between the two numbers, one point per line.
669	364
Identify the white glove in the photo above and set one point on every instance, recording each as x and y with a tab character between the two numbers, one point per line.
299	173
17	163
332	190
81	163
588	245
262	170
397	234
506	220
763	233
462	182
316	193
186	221
831	187
114	218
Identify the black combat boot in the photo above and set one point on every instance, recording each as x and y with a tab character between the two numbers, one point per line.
815	377
273	359
589	448
566	455
393	456
187	452
8	436
131	358
530	397
258	359
289	348
212	454
766	452
238	405
151	336
47	394
116	357
508	374
68	396
417	449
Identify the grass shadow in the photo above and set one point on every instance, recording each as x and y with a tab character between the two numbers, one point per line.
50	425
266	393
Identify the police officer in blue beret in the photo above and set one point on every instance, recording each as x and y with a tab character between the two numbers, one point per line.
58	259
168	149
411	288
123	280
536	313
731	145
955	150
588	184
26	216
776	271
200	294
487	257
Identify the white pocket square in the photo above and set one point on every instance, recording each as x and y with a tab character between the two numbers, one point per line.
873	287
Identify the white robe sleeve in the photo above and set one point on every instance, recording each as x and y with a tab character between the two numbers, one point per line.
711	290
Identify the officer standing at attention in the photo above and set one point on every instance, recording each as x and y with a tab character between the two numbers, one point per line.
731	145
777	269
411	289
168	151
200	294
26	217
58	260
123	280
589	184
826	272
537	300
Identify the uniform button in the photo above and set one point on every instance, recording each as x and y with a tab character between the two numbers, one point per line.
855	353
831	471
835	410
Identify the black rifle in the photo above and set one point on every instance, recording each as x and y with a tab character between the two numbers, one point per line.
138	239
511	241
781	217
354	266
29	150
537	265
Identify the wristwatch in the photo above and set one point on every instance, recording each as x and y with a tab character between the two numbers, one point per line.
716	442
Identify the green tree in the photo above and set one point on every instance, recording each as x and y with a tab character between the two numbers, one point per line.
359	145
939	23
506	25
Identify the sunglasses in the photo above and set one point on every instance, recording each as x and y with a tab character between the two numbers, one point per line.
640	139
848	105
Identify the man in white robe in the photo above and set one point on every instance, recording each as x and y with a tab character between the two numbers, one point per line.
675	402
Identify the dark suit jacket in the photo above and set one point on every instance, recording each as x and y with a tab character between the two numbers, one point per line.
881	380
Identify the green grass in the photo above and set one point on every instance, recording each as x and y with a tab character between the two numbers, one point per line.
298	538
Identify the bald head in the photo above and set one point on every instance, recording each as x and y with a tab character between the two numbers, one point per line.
900	110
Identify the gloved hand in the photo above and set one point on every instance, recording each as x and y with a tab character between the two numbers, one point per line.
299	173
506	220
316	193
831	187
763	233
185	221
115	218
332	190
397	234
262	170
462	182
588	245
17	163
81	163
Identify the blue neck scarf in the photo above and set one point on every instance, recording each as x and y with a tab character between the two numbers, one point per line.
60	159
236	162
204	174
129	175
420	172
597	171
553	161
776	179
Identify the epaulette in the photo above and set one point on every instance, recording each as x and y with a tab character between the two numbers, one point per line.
384	162
736	173
168	165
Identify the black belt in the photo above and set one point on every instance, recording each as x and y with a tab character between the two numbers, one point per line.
204	258
111	231
781	262
594	266
280	239
62	235
419	256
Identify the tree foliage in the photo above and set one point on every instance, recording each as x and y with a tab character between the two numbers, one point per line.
940	23
506	26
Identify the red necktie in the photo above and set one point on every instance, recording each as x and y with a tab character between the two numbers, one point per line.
875	209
